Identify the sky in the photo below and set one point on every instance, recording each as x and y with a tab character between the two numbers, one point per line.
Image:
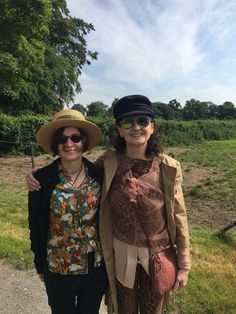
163	49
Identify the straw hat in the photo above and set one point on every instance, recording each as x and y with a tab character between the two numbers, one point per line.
68	118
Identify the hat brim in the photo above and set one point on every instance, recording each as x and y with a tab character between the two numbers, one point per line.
45	133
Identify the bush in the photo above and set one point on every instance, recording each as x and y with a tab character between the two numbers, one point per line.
16	133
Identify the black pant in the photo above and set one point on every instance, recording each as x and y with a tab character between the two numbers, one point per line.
76	294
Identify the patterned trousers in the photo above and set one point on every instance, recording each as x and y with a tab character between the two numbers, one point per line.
140	299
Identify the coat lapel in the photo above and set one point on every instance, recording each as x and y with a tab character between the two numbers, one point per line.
110	166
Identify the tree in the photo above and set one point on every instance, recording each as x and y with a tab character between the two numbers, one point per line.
212	110
97	108
110	109
194	110
227	110
80	108
42	52
174	104
176	109
164	111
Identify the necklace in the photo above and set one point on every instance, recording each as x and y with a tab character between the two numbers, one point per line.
71	173
68	177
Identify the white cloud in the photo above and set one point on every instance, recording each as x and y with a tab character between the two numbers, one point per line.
158	47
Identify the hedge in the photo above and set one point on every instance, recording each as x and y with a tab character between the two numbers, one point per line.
16	133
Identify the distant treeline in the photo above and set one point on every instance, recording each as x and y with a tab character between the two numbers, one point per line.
192	110
16	133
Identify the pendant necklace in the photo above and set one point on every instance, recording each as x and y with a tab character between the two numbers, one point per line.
69	178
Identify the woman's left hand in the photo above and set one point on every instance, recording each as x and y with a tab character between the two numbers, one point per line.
181	280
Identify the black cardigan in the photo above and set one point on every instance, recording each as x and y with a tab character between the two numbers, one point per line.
39	207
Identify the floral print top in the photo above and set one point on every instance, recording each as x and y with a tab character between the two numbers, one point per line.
73	227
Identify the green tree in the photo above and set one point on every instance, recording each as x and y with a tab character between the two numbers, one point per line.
110	109
80	108
42	52
227	110
212	110
97	108
174	104
195	110
164	111
176	109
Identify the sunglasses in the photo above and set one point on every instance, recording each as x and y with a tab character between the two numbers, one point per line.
75	138
128	123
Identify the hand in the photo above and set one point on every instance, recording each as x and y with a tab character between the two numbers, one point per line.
31	183
181	280
41	277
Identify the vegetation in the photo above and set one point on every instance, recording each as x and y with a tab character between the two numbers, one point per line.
220	185
211	288
42	52
192	110
16	133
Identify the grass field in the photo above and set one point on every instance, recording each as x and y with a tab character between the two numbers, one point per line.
210	179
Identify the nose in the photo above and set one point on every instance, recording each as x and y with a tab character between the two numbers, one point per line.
68	142
136	125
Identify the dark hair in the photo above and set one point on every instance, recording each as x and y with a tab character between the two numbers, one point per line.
59	133
154	147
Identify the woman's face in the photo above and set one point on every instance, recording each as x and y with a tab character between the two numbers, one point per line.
136	130
71	147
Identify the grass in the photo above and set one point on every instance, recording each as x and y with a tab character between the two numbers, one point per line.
14	239
211	288
220	157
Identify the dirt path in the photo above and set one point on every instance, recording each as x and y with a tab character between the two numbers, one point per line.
23	293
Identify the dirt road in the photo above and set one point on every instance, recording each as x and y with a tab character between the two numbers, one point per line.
23	293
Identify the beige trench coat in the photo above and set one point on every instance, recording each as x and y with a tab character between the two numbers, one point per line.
175	208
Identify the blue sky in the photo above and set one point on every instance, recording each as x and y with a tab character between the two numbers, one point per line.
164	49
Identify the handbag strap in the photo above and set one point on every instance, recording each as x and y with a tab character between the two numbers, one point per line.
151	248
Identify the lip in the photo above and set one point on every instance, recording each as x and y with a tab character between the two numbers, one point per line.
136	134
70	150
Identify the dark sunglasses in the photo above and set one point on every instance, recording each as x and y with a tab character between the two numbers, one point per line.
75	138
128	123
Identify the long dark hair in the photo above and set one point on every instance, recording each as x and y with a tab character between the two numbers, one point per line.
154	147
59	133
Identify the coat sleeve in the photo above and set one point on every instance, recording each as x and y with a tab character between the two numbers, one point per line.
180	214
35	219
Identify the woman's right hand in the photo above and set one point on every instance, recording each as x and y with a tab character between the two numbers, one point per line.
32	184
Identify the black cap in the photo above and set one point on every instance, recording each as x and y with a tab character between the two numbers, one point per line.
132	105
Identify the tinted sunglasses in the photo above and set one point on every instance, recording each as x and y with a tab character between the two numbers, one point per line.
75	138
128	123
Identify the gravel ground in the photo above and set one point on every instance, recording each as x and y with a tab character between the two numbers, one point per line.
23	293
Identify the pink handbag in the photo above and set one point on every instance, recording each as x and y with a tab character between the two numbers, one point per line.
163	270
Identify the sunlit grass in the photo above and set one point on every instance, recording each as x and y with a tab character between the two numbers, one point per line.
14	237
220	156
211	287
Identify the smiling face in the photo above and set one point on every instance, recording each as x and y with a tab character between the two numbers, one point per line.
139	133
71	151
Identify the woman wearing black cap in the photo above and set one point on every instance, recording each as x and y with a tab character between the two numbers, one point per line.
142	197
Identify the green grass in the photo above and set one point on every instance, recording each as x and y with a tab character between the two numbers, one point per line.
220	157
14	238
211	286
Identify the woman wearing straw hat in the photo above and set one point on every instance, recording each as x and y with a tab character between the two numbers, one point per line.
63	217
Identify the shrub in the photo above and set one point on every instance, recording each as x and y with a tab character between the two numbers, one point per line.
16	133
